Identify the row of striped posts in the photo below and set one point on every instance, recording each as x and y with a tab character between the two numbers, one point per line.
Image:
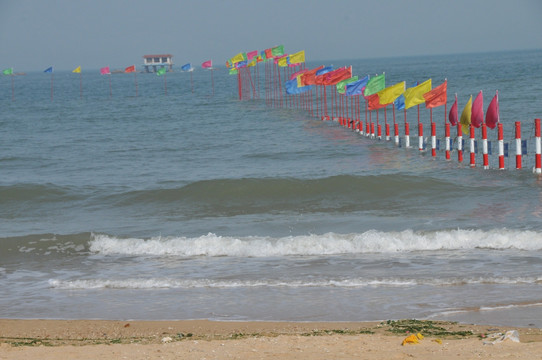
350	116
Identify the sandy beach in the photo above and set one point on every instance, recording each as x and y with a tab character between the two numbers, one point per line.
200	339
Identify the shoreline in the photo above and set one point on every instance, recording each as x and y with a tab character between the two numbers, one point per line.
198	339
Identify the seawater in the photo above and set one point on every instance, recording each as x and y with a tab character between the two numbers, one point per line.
181	204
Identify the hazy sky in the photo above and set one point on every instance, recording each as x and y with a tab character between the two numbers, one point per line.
35	34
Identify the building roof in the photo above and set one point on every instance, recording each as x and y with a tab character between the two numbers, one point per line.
159	55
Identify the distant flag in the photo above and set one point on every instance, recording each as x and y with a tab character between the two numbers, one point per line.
414	95
297	73
297	58
277	51
492	114
241	64
207	64
237	58
251	54
341	85
453	113
48	70
187	67
269	53
375	84
465	117
282	61
130	69
161	71
252	63
477	112
399	103
8	71
308	78
233	71
436	97
333	77
356	88
105	71
389	94
77	70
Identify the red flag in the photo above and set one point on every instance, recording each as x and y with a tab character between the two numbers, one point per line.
492	114
130	69
269	53
477	112
309	78
373	102
453	113
333	77
436	97
207	64
251	54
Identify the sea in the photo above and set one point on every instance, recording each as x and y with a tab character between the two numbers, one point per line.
137	196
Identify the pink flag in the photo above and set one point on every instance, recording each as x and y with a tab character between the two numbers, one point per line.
477	112
453	113
492	114
105	71
207	64
251	54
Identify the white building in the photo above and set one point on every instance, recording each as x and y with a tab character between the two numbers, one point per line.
151	63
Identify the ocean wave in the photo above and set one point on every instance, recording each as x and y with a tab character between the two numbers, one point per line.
314	245
153	283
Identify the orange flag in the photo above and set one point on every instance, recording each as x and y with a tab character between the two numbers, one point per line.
436	97
130	69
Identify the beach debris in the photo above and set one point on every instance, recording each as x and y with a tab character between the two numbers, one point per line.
127	325
166	339
438	341
496	338
413	339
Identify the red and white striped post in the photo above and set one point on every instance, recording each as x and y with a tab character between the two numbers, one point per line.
396	133
420	136
387	132
360	126
407	135
447	139
501	146
459	143
538	143
433	139
518	145
472	153
484	146
372	130
379	131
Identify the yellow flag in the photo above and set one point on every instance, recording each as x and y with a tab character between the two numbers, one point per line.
389	94
283	61
414	95
237	58
252	63
77	69
465	117
298	57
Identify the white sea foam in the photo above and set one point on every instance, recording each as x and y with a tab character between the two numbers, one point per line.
325	244
169	283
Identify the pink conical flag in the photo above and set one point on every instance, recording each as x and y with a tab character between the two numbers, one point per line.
207	64
492	114
453	113
105	71
477	114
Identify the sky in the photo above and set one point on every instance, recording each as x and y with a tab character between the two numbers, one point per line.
36	34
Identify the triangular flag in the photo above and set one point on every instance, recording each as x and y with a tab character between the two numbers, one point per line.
465	117
492	114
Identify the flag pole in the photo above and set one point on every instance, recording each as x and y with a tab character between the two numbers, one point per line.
52	77
12	88
110	89
80	85
213	81
165	82
135	81
191	81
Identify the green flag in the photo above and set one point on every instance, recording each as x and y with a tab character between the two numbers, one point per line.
161	71
341	85
278	50
8	71
233	71
375	84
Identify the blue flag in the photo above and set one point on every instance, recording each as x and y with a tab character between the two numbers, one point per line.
48	70
241	64
356	87
399	103
186	67
324	70
292	89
